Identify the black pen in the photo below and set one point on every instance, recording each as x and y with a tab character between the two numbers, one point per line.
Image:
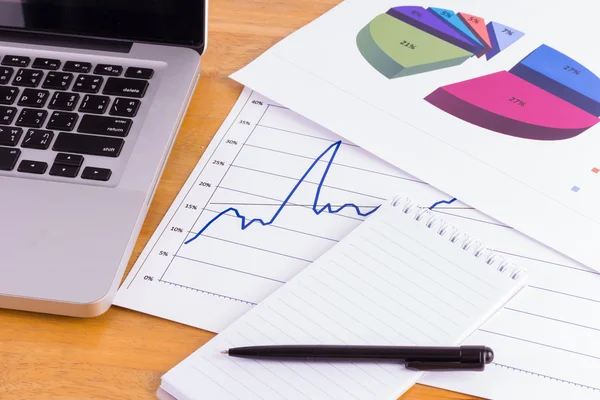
417	358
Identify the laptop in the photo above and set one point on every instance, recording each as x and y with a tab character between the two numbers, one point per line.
92	94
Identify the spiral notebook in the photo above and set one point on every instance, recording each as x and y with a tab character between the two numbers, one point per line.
403	277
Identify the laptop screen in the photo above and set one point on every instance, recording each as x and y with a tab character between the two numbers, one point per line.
178	22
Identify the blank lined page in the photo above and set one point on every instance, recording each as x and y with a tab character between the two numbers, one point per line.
392	281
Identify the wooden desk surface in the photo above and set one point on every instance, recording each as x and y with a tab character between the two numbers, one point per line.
122	354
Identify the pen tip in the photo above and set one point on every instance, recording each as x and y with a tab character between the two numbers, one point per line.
225	352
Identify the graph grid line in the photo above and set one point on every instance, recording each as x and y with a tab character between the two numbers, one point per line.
552	378
207	292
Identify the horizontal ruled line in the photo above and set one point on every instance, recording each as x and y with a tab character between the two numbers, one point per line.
551	319
305	135
541	344
338	164
207	292
230	269
257	248
553	378
308	182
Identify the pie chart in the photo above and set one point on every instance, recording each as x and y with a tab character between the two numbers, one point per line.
409	40
546	96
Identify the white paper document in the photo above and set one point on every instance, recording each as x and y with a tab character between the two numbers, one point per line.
265	163
546	342
514	135
393	281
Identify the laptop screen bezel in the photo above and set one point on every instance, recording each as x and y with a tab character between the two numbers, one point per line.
186	28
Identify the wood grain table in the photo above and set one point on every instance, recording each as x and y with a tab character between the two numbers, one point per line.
122	354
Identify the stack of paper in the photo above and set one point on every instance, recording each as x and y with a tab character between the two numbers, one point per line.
393	281
274	192
556	318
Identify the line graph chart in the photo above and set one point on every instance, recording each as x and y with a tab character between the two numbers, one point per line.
334	148
273	192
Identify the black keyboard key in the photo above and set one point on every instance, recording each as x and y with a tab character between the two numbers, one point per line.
125	87
28	78
34	98
16	61
110	70
10	136
7	115
125	107
140	73
88	84
33	167
31	118
5	75
69	159
105	125
64	101
62	121
8	94
46	63
87	144
8	158
76	66
37	139
96	174
94	104
58	81
67	171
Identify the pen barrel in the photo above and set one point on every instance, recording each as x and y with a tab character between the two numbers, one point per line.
465	354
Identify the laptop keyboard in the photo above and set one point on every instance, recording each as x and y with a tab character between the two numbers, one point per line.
80	112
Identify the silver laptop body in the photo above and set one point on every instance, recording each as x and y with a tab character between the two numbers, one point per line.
80	160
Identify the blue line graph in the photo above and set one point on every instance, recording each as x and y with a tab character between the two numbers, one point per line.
245	224
439	203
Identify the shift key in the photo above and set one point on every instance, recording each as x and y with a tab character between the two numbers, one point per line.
87	144
108	126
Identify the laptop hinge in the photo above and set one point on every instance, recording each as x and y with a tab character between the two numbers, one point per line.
70	41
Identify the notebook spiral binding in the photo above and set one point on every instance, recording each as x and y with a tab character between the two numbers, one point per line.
455	235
